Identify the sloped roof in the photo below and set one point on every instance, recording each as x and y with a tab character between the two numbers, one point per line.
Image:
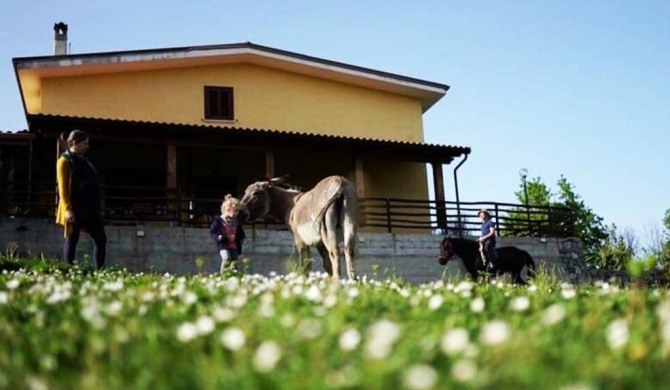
102	62
415	151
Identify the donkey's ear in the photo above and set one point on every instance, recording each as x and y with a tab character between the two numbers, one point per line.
278	180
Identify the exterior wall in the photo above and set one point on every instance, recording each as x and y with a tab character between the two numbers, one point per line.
263	98
413	257
395	179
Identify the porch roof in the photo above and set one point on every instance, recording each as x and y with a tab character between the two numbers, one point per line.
209	135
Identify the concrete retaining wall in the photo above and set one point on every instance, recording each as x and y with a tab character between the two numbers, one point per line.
413	257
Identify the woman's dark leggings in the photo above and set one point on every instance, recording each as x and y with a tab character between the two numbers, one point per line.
97	231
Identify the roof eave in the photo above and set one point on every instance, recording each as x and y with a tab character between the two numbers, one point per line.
429	92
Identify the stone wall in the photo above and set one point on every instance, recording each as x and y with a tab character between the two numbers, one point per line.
412	257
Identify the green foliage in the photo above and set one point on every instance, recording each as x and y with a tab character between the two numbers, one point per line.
640	266
588	226
663	258
581	222
615	251
538	193
518	221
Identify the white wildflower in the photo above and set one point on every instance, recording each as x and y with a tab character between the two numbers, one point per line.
59	294
36	383
187	332
578	386
232	338
267	356
329	301
313	294
465	285
297	290
420	377
380	338
205	325
477	305
435	302
617	333
553	314
287	320
221	314
495	332
568	291
663	311
464	370
13	284
236	301
116	285
114	308
4	298
520	304
308	329
266	310
349	339
189	297
48	362
455	340
352	292
665	333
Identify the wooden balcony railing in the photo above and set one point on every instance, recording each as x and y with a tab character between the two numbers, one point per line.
132	205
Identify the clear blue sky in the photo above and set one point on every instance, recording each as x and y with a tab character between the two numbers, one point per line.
573	87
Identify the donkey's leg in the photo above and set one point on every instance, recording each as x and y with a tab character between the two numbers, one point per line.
325	256
303	252
349	251
329	239
349	218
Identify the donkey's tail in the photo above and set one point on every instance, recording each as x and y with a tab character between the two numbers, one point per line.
337	195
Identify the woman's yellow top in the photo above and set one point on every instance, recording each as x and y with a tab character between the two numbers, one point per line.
63	176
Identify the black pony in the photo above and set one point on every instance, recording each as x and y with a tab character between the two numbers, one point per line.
510	259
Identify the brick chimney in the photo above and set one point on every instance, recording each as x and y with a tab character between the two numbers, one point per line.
60	39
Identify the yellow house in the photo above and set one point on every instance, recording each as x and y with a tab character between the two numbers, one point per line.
199	122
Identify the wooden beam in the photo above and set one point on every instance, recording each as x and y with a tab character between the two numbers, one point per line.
269	163
440	205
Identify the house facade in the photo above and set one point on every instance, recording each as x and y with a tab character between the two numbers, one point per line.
173	130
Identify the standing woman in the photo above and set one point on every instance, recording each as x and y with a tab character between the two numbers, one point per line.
79	198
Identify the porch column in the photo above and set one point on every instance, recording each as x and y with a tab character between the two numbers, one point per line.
440	205
359	182
359	177
171	181
270	163
58	152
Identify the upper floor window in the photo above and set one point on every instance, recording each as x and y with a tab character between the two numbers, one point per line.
219	103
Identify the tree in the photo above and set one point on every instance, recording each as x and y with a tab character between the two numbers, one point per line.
617	250
663	262
569	214
518	220
587	226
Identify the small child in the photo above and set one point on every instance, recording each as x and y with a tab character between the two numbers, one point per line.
227	232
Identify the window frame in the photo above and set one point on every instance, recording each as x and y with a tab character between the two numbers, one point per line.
224	101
